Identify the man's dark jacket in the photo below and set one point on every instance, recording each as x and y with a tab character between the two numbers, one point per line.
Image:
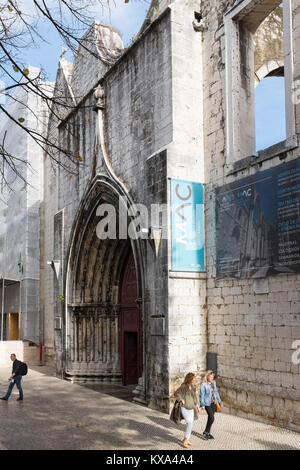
16	369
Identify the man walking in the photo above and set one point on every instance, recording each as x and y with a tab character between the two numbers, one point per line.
15	378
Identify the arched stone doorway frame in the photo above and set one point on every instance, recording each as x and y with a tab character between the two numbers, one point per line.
101	190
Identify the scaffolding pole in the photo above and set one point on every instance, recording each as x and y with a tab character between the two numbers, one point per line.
3	287
2	309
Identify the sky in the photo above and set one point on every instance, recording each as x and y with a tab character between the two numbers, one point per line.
270	112
126	17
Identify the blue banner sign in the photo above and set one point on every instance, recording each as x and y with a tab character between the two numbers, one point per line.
187	219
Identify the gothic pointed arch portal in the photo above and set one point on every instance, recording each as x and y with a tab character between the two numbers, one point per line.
104	334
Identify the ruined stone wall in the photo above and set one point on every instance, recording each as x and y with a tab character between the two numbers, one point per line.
251	324
162	123
139	105
48	209
156	321
187	291
269	41
139	125
138	116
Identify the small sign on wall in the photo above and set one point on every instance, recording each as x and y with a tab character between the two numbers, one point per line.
57	323
157	326
187	221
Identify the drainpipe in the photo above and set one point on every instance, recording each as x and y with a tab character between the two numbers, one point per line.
41	353
3	288
2	309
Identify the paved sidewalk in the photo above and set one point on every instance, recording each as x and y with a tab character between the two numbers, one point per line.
56	414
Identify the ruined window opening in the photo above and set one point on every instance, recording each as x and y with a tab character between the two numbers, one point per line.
244	72
270	115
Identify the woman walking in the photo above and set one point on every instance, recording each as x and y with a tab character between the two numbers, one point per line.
209	400
187	394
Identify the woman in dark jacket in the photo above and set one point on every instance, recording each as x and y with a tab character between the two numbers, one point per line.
187	394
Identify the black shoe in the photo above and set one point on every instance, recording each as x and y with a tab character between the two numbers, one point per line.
205	436
19	399
210	436
3	398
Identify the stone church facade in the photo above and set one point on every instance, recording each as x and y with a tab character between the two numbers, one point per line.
178	103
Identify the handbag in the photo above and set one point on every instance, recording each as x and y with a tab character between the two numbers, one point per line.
218	407
175	415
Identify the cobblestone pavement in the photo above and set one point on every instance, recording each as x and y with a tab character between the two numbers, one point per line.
56	414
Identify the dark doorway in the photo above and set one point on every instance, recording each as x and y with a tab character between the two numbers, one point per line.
131	358
131	329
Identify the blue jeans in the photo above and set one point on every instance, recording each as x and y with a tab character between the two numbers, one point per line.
16	380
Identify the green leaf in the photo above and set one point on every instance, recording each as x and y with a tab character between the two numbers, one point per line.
21	119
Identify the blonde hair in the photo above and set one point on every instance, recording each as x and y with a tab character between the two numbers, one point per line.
207	374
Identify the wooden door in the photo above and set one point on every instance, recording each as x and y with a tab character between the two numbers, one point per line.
13	326
131	328
131	358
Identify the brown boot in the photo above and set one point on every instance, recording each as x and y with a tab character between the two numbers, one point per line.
185	443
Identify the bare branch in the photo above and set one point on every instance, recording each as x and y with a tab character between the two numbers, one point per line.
18	30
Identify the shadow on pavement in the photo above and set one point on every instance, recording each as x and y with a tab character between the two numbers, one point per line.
115	390
275	446
118	391
45	370
157	432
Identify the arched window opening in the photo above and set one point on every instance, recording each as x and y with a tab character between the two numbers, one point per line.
259	78
270	115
